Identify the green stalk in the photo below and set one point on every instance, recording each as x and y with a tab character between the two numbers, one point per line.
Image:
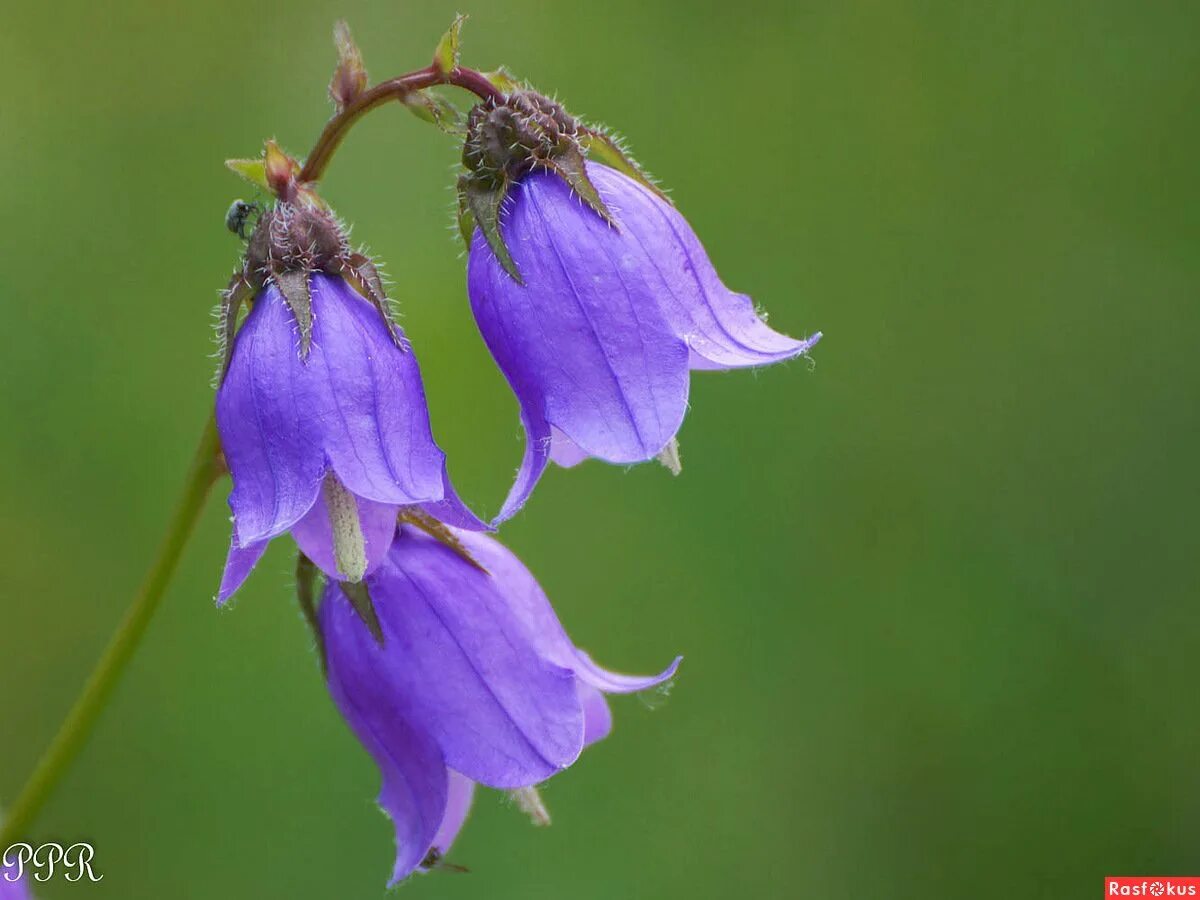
206	468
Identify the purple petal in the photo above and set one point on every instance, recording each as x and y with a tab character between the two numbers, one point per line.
271	441
597	717
451	510
238	565
373	418
414	793
533	460
527	602
720	327
564	451
460	665
582	342
616	683
314	533
458	805
18	887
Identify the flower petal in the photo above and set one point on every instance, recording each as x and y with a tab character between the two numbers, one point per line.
238	565
414	793
458	805
374	421
314	533
460	665
564	451
720	327
271	443
528	603
533	460
583	338
597	717
451	509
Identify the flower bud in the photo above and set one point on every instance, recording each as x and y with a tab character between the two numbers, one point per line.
350	77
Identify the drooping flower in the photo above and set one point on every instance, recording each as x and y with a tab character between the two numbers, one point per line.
592	292
321	409
475	681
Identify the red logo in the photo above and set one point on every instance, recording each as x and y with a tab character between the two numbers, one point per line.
1151	886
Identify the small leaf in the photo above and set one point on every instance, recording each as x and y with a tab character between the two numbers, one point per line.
485	202
606	149
569	166
436	110
445	57
253	170
360	598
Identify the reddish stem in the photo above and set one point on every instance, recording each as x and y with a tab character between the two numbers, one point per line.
339	126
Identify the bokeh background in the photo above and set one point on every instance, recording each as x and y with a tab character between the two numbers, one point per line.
937	595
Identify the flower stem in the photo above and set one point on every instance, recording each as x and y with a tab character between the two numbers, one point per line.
393	89
207	466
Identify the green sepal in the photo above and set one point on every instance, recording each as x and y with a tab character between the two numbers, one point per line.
569	166
294	287
602	147
445	57
437	110
253	170
484	201
466	220
504	81
360	598
306	594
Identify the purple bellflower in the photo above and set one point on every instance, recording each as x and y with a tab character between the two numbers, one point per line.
592	292
475	681
321	409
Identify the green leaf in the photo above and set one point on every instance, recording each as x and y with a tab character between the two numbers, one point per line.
569	166
436	110
445	57
253	170
604	148
485	202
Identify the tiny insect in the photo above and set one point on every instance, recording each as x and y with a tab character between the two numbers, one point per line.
238	216
434	860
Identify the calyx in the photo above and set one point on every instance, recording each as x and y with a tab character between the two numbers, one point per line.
507	139
292	241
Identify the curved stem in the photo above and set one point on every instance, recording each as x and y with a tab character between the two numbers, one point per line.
339	126
205	469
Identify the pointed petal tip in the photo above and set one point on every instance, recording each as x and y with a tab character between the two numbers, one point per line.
238	565
615	683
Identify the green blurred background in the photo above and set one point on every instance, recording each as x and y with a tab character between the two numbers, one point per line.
937	596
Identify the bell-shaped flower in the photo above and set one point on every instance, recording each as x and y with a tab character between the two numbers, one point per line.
474	680
592	292
321	409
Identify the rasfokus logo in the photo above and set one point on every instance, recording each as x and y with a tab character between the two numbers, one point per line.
1151	886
